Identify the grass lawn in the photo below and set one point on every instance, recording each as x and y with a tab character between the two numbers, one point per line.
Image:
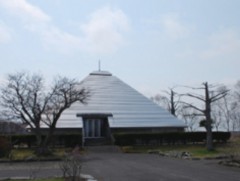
21	154
48	179
198	151
195	150
26	153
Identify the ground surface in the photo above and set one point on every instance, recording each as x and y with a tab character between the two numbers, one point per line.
134	167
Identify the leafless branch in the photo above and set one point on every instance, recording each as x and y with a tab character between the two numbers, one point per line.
199	97
219	96
188	105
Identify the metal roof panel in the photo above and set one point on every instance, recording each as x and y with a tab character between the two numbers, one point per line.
129	108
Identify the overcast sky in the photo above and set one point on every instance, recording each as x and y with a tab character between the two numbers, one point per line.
151	45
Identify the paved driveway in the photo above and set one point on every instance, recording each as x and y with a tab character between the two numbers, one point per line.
131	167
147	167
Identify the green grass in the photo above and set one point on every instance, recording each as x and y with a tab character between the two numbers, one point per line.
195	150
21	154
18	154
25	153
48	179
202	152
230	148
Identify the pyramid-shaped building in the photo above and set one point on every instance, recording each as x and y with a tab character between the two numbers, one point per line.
114	106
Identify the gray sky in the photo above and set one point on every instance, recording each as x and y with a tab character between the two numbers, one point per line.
151	45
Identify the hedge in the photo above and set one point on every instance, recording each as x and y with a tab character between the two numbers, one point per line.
66	140
124	139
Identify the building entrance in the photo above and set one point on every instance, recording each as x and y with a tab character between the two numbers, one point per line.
93	128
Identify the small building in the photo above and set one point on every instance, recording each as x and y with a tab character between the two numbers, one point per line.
114	106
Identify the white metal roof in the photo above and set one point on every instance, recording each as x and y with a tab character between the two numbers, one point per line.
110	95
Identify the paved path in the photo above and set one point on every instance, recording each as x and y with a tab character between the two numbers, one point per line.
133	167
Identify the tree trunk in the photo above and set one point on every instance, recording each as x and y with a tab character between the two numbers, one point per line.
208	119
48	137
42	148
38	136
209	136
172	103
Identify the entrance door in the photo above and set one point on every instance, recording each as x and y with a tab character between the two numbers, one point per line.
93	128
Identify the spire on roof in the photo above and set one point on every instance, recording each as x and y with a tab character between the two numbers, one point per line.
100	72
99	65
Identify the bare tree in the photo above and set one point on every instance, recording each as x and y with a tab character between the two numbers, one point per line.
235	108
208	98
24	97
236	120
169	102
190	118
226	111
237	91
223	109
218	118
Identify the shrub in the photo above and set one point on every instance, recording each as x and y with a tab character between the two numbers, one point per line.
28	139
71	168
221	136
5	147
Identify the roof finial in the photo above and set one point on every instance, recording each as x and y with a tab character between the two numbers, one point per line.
99	65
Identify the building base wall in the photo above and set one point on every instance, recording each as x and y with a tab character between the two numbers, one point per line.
147	130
